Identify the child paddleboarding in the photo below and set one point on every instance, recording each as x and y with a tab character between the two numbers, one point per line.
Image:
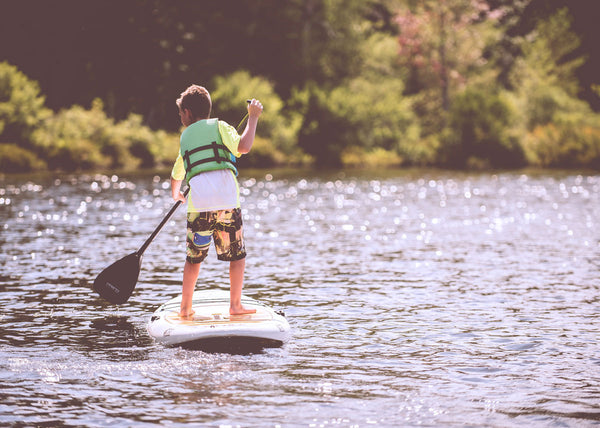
207	153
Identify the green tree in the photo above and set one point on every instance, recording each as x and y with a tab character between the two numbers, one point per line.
546	58
559	128
21	106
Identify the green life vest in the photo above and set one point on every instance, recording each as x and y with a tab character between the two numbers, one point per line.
202	149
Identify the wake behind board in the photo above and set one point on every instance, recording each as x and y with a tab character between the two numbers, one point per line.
212	328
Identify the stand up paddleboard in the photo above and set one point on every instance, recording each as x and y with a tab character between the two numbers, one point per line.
212	328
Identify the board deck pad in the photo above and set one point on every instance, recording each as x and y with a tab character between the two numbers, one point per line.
217	314
212	324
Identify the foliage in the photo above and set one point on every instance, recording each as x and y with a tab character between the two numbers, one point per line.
15	159
545	83
442	45
458	83
21	105
567	145
559	129
278	126
79	139
547	55
324	130
229	103
478	132
359	157
152	148
263	155
362	113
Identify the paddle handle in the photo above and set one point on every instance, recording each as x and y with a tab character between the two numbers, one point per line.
160	226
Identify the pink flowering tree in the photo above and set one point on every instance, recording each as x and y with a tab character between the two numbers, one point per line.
443	44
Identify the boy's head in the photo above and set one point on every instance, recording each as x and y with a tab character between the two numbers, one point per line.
196	100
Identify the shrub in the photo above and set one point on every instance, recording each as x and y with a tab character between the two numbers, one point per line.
324	130
362	113
563	145
357	157
74	139
21	105
478	132
80	139
15	159
277	124
151	148
560	130
262	155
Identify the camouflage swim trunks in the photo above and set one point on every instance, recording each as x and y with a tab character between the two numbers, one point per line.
222	226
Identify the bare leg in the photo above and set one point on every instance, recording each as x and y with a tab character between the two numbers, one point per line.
236	279
190	276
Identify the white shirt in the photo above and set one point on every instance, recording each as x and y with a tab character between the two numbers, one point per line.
213	190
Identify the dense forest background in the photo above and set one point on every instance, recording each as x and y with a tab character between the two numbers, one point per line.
386	83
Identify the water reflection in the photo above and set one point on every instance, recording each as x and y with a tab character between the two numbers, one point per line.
415	297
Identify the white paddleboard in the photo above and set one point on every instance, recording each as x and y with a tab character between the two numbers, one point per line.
211	325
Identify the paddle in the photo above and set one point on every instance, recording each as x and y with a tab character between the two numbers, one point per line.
116	282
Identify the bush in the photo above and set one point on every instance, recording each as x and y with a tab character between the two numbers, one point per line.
151	148
277	124
362	113
546	104
21	106
14	159
357	157
560	130
79	139
564	146
74	139
478	133
262	155
324	130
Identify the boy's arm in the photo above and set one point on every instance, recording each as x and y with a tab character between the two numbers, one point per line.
177	176
255	109
176	190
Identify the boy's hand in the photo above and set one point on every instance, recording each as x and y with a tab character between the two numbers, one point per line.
179	197
255	108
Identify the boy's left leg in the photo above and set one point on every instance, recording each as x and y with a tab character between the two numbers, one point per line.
236	279
197	244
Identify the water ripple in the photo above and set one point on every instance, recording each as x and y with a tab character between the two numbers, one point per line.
415	298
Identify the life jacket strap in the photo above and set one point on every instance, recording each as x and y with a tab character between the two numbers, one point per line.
217	157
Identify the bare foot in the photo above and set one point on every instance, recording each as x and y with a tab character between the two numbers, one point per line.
241	311
187	316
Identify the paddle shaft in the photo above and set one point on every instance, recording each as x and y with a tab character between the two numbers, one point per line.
243	119
160	226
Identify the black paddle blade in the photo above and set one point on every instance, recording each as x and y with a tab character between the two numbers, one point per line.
116	282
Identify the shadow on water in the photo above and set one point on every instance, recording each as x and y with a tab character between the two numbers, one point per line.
232	345
63	313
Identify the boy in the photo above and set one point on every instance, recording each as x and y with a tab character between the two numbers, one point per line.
206	161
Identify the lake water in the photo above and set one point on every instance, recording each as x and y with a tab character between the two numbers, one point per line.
416	297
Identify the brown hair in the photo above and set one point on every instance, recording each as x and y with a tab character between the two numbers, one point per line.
197	100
